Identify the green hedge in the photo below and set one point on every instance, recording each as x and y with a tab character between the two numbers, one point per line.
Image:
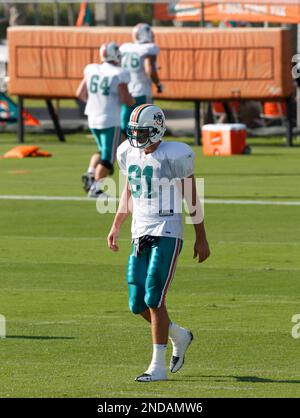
134	13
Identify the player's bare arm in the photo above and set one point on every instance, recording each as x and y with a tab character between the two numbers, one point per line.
201	246
151	71
81	91
121	215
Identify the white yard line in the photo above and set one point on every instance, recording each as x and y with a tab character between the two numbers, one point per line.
114	199
52	198
252	202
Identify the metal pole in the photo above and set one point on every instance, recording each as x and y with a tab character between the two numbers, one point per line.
228	111
297	84
197	135
55	120
110	14
56	13
123	14
71	19
289	122
20	120
209	114
202	21
36	7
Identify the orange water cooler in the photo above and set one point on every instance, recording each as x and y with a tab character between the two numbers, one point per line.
224	139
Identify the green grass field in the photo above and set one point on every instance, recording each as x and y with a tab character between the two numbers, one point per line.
69	331
69	103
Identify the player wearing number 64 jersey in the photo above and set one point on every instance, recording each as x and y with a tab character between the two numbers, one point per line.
158	174
104	88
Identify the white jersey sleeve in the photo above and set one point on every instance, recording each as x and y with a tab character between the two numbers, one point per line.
151	49
179	162
183	166
122	156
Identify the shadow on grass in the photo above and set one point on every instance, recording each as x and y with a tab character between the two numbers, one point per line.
37	337
256	142
248	379
255	379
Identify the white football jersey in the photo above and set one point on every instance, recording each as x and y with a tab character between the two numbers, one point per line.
133	57
156	187
104	105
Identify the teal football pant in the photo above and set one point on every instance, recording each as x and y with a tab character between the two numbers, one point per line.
107	141
150	274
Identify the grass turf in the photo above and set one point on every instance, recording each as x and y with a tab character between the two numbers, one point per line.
69	103
64	297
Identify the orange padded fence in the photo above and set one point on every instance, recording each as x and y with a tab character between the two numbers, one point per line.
205	64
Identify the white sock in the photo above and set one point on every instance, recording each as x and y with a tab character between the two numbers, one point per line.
91	170
176	332
158	361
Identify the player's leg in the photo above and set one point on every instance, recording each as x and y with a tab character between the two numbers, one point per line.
101	171
160	322
94	161
93	190
162	263
180	338
109	139
146	315
88	178
169	249
135	278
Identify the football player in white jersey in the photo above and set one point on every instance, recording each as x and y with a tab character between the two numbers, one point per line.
103	88
139	57
158	174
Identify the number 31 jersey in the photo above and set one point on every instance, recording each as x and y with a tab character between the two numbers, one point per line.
103	105
155	184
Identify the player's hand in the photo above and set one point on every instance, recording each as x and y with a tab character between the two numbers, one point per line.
159	88
201	250
112	239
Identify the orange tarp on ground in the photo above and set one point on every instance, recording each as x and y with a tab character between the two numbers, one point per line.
205	64
23	151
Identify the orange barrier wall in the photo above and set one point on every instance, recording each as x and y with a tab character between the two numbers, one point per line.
205	64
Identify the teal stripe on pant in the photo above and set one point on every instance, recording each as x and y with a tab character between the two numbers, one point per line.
150	274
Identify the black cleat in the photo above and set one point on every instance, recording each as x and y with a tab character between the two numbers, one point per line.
154	377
